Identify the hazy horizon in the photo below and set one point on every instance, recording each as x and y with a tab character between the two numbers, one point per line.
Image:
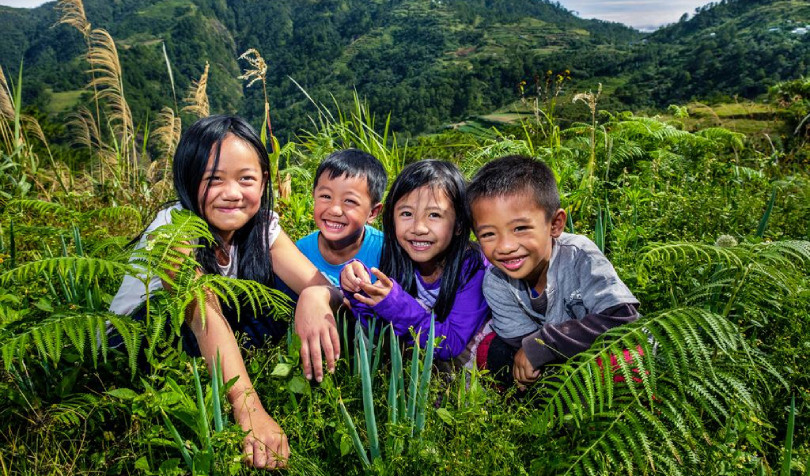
645	15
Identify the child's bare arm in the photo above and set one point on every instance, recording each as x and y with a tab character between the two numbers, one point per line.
318	301
265	445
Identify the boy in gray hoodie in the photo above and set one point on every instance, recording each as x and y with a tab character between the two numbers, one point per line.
551	293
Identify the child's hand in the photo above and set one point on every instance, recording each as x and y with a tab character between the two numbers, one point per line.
352	275
375	292
523	371
315	325
265	445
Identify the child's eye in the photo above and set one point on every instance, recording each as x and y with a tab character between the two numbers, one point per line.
521	228
405	214
249	179
435	215
484	236
214	178
351	202
324	196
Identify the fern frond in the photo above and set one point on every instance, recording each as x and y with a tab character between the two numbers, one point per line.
659	255
39	206
723	137
687	339
46	335
123	212
87	268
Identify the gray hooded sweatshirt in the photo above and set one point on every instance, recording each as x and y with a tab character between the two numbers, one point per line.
581	285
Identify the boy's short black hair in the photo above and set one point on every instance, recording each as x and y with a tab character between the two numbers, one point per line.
356	163
515	174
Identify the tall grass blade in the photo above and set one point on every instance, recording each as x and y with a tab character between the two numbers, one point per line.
413	385
171	75
358	445
17	108
599	232
178	440
763	222
217	404
12	246
202	413
788	457
424	383
396	373
368	396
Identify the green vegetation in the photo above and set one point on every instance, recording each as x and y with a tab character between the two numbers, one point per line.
426	62
704	209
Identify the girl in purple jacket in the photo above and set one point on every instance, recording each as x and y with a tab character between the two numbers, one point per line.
428	264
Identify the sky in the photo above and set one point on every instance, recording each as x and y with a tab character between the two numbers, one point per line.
645	15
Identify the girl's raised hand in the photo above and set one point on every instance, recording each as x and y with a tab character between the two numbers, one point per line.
352	276
376	292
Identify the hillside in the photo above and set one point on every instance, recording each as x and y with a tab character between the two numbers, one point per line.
729	48
428	62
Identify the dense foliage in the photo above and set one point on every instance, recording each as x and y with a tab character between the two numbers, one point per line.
708	226
427	62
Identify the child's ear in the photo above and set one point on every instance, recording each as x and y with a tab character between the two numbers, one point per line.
558	223
375	210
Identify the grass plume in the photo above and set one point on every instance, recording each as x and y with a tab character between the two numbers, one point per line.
197	97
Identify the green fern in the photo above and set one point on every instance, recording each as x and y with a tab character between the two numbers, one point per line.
652	421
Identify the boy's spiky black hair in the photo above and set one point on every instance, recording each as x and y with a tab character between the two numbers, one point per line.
356	163
516	174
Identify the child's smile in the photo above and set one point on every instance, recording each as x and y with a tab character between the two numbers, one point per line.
424	224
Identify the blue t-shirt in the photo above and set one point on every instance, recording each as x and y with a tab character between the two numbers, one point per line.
369	253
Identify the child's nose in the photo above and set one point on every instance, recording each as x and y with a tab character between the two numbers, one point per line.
419	226
335	209
506	245
231	191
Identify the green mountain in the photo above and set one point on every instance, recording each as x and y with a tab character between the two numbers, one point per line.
428	62
733	47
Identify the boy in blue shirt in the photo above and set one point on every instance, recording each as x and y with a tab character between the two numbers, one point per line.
348	190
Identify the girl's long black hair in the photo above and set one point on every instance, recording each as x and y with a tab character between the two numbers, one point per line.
395	262
190	162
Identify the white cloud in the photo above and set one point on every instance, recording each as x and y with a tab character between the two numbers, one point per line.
22	3
640	14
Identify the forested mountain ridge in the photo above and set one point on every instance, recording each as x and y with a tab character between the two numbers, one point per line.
732	47
426	61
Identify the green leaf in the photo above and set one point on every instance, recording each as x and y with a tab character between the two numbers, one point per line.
142	464
299	385
445	416
281	370
44	305
122	393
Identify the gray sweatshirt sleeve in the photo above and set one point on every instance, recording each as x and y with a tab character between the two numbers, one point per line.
562	341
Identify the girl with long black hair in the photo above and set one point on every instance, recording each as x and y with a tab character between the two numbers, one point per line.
428	264
221	174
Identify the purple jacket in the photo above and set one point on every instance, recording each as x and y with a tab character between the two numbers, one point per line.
404	311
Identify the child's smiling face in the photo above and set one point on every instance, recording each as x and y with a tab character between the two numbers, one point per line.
515	235
424	224
234	189
342	208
